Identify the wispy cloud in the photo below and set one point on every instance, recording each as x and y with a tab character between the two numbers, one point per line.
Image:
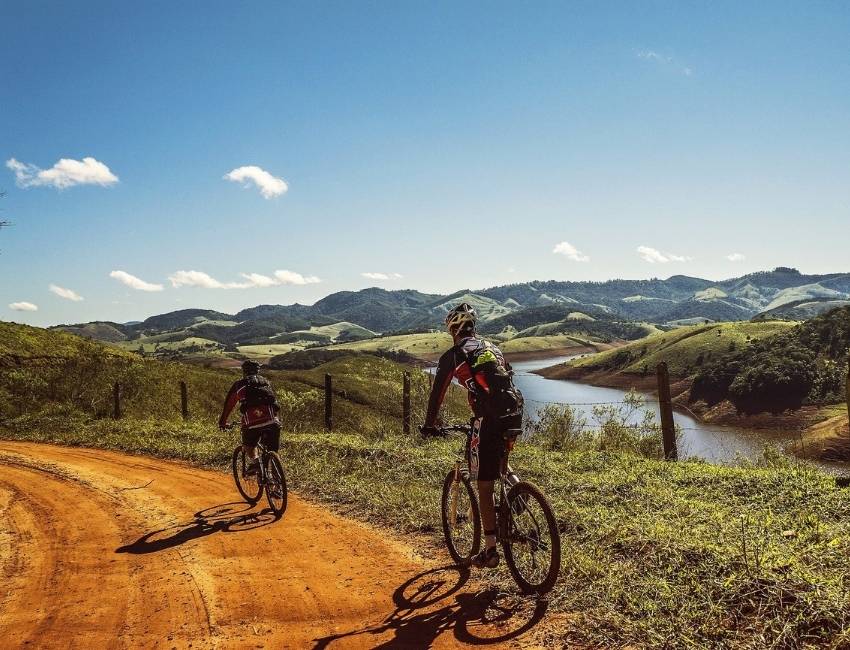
67	294
23	306
65	173
652	55
291	277
736	257
655	256
382	276
269	186
133	282
569	251
251	280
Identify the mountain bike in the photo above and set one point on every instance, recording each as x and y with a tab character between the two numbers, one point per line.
269	477
526	526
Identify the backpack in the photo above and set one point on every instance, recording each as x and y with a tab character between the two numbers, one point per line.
258	392
504	402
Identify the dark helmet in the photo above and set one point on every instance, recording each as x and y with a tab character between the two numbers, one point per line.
250	367
461	317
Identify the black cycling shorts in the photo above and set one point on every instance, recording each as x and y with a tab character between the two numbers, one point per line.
491	450
270	435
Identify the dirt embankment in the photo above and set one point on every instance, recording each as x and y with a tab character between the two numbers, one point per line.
104	550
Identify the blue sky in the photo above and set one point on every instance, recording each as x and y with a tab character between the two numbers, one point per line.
454	144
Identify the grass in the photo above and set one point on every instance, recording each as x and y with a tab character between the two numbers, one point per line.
542	343
268	349
655	554
681	348
428	345
150	345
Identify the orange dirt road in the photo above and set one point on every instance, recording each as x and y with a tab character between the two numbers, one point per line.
105	550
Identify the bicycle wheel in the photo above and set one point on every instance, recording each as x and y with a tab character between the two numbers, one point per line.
248	486
275	484
461	518
531	541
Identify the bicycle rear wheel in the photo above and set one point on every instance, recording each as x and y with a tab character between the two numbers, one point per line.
530	540
461	518
248	486
275	484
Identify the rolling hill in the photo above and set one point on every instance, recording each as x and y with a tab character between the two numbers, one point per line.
615	309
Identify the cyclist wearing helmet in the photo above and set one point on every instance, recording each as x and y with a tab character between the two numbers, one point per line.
480	367
259	408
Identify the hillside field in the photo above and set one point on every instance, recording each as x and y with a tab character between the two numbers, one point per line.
684	349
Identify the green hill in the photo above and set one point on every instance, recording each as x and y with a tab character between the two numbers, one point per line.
684	350
806	364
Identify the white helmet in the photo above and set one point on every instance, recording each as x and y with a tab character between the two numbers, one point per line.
460	317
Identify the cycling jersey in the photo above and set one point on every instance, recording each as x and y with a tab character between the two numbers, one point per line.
469	361
257	411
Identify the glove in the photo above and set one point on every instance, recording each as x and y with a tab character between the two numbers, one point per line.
429	432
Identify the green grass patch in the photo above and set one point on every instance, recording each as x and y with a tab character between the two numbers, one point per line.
656	554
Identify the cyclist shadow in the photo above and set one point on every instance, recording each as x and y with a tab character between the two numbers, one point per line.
223	518
481	618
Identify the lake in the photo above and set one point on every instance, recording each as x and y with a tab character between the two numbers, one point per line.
715	443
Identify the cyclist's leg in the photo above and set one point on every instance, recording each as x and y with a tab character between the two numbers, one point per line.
491	451
249	443
271	437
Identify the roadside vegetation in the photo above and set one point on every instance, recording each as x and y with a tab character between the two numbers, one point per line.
656	554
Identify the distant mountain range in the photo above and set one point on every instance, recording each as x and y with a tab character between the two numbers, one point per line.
538	307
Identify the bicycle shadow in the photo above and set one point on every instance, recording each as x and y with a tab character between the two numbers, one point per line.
223	518
481	618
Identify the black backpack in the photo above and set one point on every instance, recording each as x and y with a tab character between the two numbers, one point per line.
504	402
258	392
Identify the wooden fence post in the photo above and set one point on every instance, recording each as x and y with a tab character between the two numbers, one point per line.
116	401
184	400
668	428
405	404
329	420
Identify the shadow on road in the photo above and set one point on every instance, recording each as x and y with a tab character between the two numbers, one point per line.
430	604
223	518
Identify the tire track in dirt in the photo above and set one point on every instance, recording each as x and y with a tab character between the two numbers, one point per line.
105	550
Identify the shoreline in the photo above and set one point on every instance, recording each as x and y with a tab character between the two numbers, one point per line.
821	432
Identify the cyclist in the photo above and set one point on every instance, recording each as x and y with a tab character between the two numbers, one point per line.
259	408
480	367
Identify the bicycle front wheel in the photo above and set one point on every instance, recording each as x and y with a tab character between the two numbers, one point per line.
249	487
461	518
530	540
275	484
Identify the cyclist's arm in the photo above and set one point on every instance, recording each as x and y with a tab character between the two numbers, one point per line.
442	381
230	402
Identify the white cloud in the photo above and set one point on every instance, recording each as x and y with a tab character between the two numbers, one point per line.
382	276
566	249
291	277
269	186
67	294
653	255
203	280
133	282
23	306
736	257
65	173
252	280
652	55
257	280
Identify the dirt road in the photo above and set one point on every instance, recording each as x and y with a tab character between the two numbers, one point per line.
104	550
